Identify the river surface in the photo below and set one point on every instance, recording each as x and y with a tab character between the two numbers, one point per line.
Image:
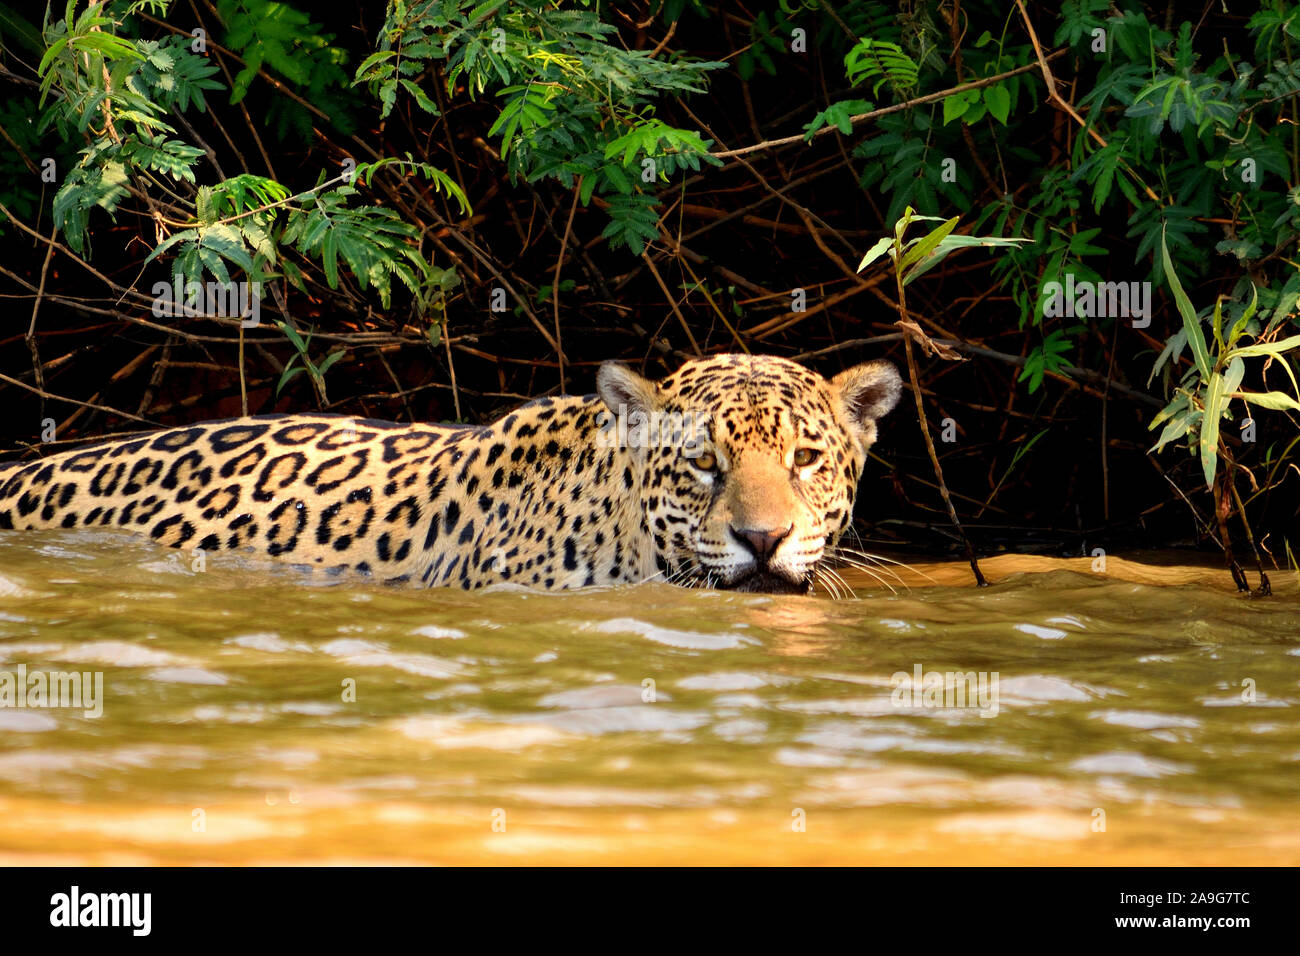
1144	714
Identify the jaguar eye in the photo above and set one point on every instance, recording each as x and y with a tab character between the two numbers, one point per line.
705	461
803	457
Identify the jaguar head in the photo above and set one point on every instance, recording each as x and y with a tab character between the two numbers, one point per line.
746	465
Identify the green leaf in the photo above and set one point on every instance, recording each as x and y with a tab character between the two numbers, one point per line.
1233	376
1179	403
956	105
840	115
1274	350
1269	348
329	361
289	372
1215	401
1239	327
483	11
292	335
1177	427
52	54
1216	323
950	243
924	247
372	59
1195	337
421	98
1275	400
883	61
998	100
875	252
204	210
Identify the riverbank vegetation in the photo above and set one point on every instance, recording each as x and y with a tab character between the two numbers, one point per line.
448	207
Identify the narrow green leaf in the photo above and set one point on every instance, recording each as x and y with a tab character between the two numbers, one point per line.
289	372
1276	400
330	360
1269	348
292	334
1214	402
1176	428
1178	404
1195	337
1233	376
875	252
924	247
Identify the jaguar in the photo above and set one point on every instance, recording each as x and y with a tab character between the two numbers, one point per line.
734	472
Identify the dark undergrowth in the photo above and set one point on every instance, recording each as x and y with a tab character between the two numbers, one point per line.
452	207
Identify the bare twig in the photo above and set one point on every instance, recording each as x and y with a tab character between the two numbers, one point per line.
559	264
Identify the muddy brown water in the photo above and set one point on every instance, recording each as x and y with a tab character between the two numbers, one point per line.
1146	714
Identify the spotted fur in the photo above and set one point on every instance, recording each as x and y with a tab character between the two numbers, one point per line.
558	494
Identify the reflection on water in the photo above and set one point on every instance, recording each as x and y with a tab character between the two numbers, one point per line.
1146	715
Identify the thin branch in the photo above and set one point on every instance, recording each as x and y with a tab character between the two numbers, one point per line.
885	111
72	401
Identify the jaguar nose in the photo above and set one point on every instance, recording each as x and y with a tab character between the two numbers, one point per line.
761	544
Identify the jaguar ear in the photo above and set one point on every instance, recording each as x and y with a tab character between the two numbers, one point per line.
868	392
624	391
